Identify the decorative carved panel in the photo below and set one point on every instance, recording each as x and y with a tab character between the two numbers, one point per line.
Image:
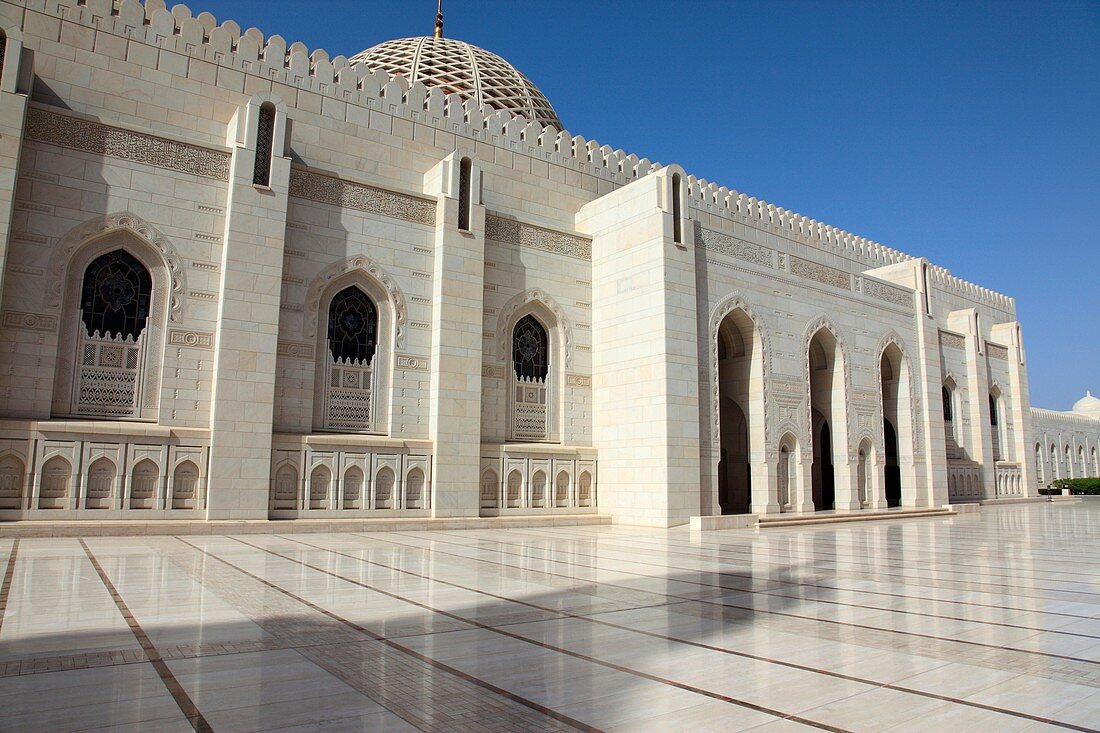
724	244
528	235
338	192
821	273
887	293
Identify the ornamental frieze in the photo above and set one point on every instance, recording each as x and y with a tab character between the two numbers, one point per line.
30	321
996	351
193	339
887	293
952	340
334	191
511	231
114	142
821	273
729	246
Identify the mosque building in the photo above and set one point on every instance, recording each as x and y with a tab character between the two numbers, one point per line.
246	280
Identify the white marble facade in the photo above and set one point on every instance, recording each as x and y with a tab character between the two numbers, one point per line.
196	223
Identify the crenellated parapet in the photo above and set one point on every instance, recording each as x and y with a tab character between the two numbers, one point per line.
202	45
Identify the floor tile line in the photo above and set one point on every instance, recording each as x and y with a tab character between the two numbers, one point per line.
773	593
603	663
781	581
484	684
5	588
846	624
850	568
745	655
183	700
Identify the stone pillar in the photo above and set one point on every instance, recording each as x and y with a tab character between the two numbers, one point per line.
13	112
977	392
1019	405
458	297
929	386
248	326
765	496
645	357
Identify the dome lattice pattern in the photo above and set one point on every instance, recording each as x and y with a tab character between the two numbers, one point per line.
464	69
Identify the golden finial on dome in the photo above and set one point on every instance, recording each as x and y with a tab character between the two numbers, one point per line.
439	20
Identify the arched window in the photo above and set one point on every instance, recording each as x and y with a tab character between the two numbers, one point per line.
530	349
1039	461
114	309
265	145
465	184
948	411
530	367
677	234
114	298
352	326
349	376
992	410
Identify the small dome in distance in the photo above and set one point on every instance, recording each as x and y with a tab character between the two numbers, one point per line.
1088	406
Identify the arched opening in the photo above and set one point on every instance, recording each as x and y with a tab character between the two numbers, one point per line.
56	478
827	403
584	489
101	483
1081	460
785	474
185	485
115	297
1055	470
740	410
351	343
3	50
891	467
489	489
414	489
144	480
1070	473
320	480
265	145
896	423
354	479
996	424
538	490
531	383
1095	464
384	482
12	476
1039	462
515	485
465	197
561	490
286	488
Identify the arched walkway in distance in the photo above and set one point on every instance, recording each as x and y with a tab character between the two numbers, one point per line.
740	414
827	420
788	475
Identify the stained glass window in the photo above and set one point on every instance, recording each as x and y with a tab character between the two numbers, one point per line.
115	296
352	325
530	349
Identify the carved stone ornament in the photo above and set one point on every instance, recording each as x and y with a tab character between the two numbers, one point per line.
887	293
30	321
98	228
508	316
334	191
821	273
952	340
816	325
511	231
296	350
996	351
114	142
729	246
193	339
370	270
914	398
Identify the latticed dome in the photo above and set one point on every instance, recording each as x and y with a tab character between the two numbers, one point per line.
464	69
1088	405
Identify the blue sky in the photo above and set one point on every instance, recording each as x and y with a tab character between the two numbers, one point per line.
965	132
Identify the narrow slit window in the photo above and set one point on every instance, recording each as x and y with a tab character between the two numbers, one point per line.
265	140
992	410
948	413
464	184
677	234
3	49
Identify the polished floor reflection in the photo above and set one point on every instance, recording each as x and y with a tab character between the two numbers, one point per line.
987	622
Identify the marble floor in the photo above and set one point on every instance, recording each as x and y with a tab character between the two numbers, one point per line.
983	622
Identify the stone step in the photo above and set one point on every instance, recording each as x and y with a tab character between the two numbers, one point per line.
792	520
